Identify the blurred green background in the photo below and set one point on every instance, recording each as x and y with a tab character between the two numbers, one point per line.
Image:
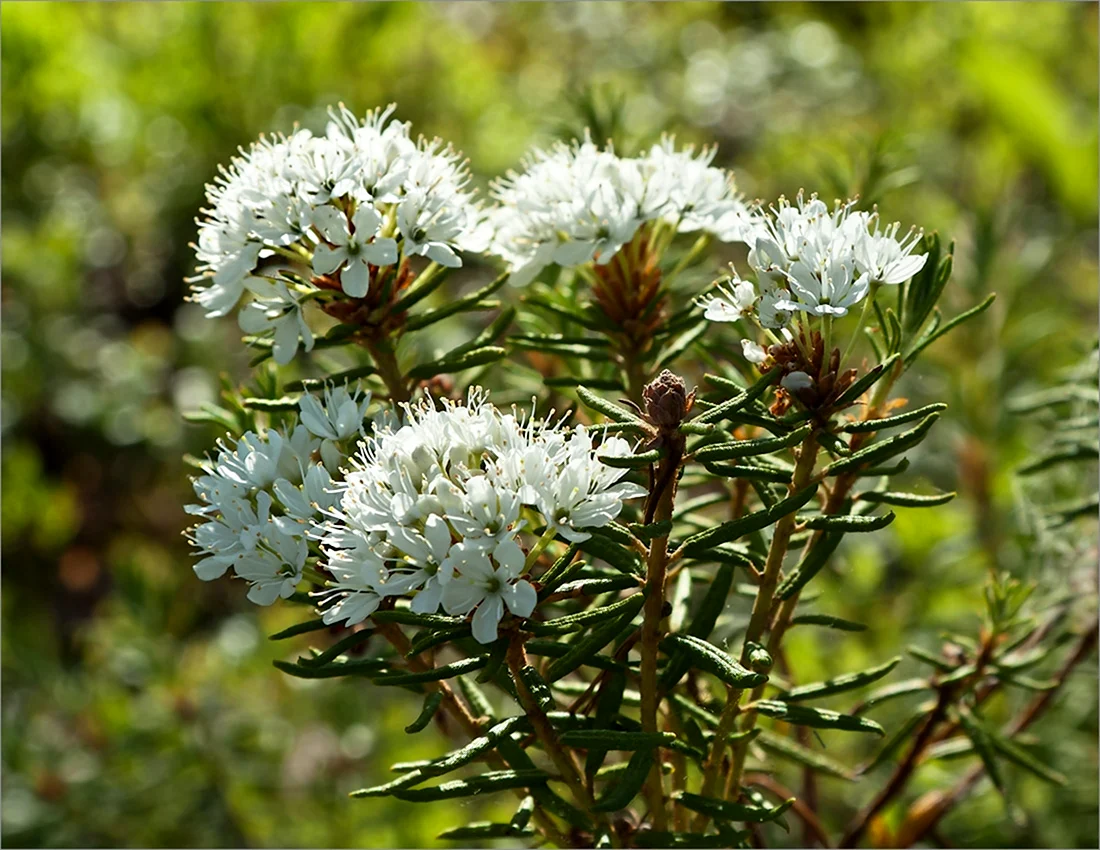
140	706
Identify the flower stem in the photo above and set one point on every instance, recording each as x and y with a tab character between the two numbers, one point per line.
867	302
758	621
386	362
539	548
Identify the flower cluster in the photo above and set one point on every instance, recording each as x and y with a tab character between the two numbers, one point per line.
574	204
364	194
433	507
807	259
261	497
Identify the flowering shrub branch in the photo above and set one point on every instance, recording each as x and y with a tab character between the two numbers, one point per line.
562	589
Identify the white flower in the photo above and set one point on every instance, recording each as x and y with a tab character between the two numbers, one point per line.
575	204
732	303
431	508
286	196
489	589
752	352
884	258
341	416
278	311
808	259
354	249
827	288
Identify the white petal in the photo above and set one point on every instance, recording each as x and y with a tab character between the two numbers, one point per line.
366	221
521	598
209	569
485	620
332	224
326	260
508	554
355	279
443	255
381	252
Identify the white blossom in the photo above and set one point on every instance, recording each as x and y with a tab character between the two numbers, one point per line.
288	197
575	204
433	506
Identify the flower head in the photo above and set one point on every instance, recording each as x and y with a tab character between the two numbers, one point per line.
433	508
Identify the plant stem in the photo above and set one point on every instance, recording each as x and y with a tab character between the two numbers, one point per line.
758	621
1028	716
458	710
386	362
656	573
563	759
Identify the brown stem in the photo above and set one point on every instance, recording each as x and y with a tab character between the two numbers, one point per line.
809	819
656	573
385	361
563	758
458	710
758	621
934	810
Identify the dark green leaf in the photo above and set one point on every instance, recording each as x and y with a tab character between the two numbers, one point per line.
828	621
816	718
487	783
431	706
729	531
728	810
838	684
706	656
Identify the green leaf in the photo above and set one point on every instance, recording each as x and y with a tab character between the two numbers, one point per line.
456	361
865	382
728	810
844	523
609	701
982	746
866	426
537	687
649	532
431	706
556	573
811	564
838	684
405	781
747	448
479	703
476	748
752	472
583	651
613	739
487	783
597	585
485	829
447	671
425	284
271	404
631	461
724	409
893	691
728	531
828	621
363	667
339	648
583	619
706	656
586	348
610	410
300	629
702	624
620	793
624	560
879	452
469	302
930	338
906	500
816	718
406	617
898	739
790	749
435	636
1018	755
522	816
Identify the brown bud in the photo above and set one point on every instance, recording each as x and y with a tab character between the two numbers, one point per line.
667	401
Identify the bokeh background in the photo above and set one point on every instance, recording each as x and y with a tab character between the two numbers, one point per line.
140	707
